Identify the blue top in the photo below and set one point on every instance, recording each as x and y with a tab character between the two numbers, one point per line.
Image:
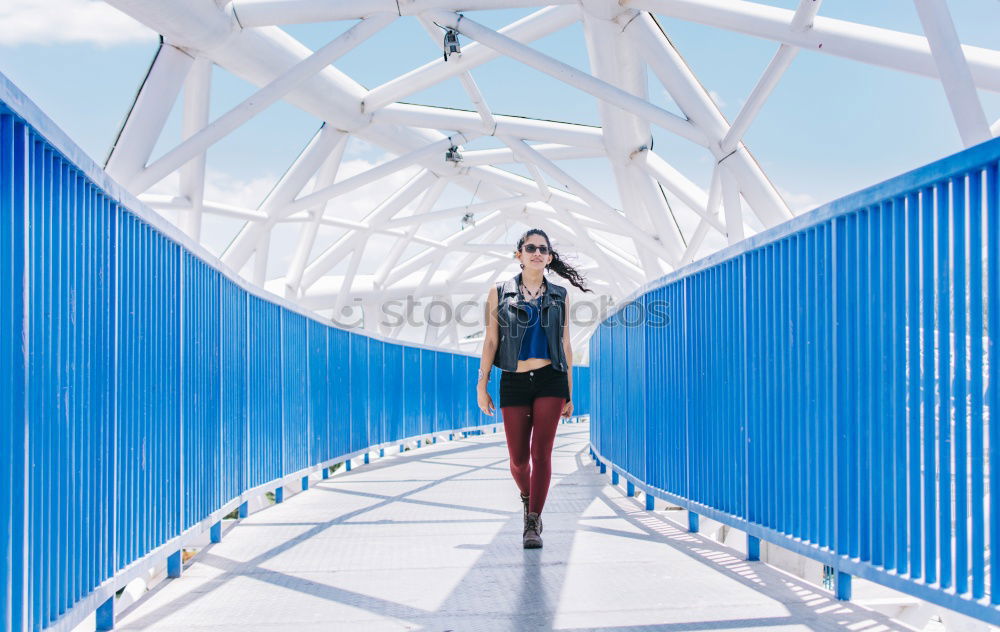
534	344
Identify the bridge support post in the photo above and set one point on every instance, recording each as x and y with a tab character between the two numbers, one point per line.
106	615
348	464
843	586
630	489
614	477
244	509
326	473
381	452
305	483
402	448
753	548
692	522
650	502
279	494
420	442
367	458
451	436
604	467
433	440
215	533
174	565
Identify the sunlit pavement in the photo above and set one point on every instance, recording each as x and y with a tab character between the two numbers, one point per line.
431	540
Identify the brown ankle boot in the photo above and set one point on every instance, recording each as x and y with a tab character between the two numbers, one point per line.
532	530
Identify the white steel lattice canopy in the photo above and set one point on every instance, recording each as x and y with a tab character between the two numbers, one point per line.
409	243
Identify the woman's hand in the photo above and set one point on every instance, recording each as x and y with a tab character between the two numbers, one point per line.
567	410
485	401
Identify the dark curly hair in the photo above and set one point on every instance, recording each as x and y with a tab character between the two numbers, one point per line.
558	266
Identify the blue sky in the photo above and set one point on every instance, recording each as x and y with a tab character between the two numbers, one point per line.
831	127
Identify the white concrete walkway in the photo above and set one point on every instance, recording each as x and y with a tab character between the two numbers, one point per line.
431	540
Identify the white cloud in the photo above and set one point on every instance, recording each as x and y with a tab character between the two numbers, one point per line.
719	101
799	202
68	21
235	191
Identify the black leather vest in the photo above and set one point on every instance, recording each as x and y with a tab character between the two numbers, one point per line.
512	318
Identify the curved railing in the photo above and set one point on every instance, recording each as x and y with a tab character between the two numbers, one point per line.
147	393
825	385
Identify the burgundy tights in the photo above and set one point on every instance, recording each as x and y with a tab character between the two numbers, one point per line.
531	431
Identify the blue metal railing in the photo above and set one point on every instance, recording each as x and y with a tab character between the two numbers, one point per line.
146	394
827	385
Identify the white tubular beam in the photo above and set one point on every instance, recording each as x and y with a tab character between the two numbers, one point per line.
995	128
260	260
460	237
697	104
549	150
375	173
600	207
528	155
649	258
615	272
543	187
527	29
546	210
170	202
318	149
660	212
197	90
468	83
322	295
427	202
307	234
470	122
424	217
712	209
731	205
613	58
477	100
461	268
675	182
868	44
391	205
257	102
149	113
765	85
348	279
954	71
253	13
571	76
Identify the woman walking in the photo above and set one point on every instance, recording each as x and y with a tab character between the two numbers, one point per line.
527	336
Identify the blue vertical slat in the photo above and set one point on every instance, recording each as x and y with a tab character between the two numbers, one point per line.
913	397
993	359
957	212
976	256
944	383
899	381
927	381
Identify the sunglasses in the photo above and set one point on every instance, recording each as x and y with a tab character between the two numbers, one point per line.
532	248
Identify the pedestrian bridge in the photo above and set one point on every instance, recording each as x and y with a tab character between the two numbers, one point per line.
819	392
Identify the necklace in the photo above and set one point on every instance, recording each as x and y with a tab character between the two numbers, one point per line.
530	296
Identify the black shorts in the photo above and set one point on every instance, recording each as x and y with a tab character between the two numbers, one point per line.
521	389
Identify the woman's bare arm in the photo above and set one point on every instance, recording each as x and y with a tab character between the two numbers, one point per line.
491	340
568	347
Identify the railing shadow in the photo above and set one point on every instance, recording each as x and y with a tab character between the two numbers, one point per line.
508	587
